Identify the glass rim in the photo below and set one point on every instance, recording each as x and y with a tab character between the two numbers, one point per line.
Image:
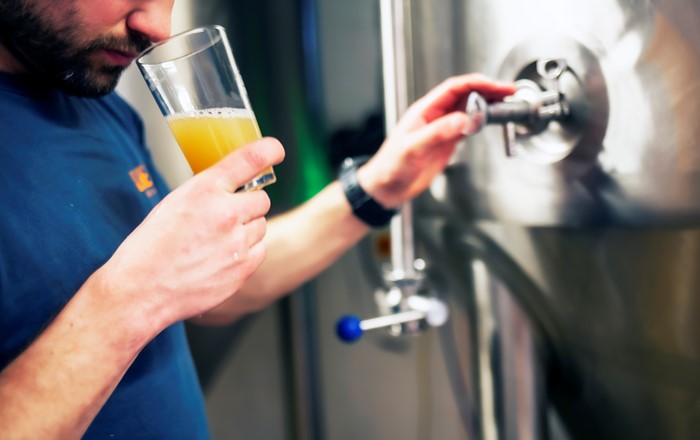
212	28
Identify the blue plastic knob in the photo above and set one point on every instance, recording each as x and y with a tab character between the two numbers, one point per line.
348	328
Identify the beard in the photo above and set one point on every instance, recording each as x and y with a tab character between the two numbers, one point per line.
55	53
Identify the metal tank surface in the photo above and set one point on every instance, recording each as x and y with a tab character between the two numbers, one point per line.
587	222
564	237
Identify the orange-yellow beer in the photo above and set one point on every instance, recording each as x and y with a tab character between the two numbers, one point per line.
206	136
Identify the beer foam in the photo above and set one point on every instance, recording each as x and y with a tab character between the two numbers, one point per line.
222	112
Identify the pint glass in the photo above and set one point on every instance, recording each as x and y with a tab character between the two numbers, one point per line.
196	84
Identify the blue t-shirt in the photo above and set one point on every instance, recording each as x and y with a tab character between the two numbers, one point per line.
75	180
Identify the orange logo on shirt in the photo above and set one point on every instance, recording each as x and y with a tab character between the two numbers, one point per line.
143	180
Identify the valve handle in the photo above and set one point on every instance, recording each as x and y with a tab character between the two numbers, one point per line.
532	104
348	328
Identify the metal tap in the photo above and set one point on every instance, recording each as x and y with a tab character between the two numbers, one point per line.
406	308
531	108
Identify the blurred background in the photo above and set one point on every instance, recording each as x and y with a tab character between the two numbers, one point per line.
563	239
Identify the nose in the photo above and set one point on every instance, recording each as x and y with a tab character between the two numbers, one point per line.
152	19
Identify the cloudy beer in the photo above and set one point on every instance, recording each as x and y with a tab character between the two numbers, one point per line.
196	84
206	136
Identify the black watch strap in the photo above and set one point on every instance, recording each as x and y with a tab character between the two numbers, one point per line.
363	205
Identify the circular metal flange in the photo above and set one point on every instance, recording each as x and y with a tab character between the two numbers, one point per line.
578	138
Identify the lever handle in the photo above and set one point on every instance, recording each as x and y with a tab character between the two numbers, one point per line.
514	110
350	328
532	106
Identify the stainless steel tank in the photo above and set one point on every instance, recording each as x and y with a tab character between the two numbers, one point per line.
569	266
590	225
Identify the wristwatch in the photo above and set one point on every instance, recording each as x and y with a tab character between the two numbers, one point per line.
363	205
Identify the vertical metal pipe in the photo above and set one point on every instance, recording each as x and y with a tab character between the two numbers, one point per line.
510	393
398	84
486	331
394	59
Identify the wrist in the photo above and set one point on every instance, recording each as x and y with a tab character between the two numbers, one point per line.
110	302
363	203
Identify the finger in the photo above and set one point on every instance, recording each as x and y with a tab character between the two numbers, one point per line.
453	89
242	165
451	92
246	207
246	237
449	128
257	228
256	255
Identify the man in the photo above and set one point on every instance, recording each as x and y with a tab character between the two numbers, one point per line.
98	267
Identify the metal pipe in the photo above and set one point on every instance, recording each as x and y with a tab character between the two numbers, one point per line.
398	80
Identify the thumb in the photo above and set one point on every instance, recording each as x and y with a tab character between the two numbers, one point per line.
241	166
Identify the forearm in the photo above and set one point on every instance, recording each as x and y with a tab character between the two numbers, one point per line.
55	388
301	244
307	240
176	264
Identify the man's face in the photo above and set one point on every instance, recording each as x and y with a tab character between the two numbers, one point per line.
79	46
